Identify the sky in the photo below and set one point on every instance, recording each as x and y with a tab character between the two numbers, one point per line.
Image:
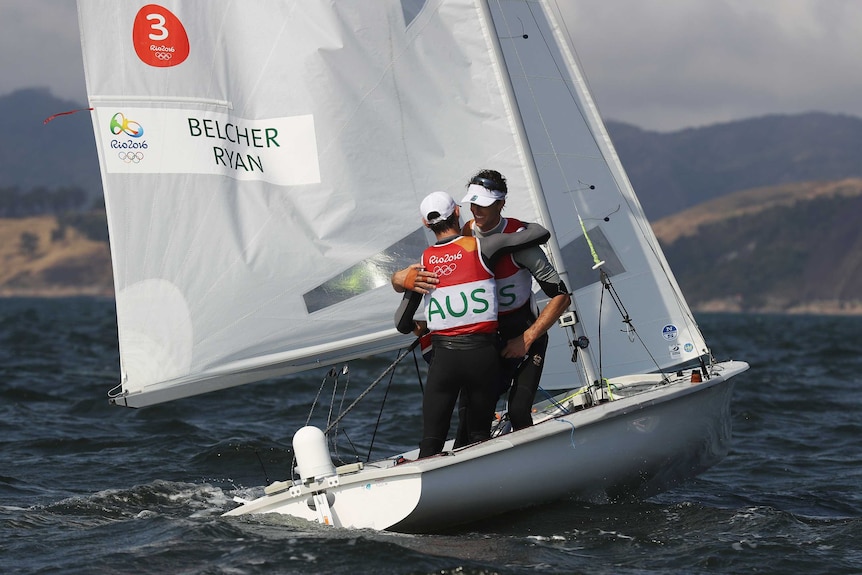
661	65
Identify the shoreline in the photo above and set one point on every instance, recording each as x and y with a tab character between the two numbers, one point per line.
57	292
820	308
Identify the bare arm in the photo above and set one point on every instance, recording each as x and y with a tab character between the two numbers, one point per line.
535	260
518	346
414	278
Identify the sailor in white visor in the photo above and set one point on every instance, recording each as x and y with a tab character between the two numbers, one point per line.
522	326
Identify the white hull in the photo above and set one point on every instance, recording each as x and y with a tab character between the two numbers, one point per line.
634	446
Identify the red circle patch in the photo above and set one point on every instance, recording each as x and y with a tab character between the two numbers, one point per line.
159	37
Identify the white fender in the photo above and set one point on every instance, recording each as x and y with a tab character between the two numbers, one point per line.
312	454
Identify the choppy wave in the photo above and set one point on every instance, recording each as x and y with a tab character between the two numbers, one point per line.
88	488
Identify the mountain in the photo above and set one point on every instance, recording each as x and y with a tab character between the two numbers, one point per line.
670	171
34	154
44	256
677	170
754	215
793	248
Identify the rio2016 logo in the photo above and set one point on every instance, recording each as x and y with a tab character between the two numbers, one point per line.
159	38
129	150
123	125
445	259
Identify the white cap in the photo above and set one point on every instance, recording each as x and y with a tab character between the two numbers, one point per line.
436	207
482	196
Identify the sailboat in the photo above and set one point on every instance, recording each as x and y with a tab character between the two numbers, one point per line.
262	165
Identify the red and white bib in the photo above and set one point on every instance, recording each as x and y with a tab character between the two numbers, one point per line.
514	283
465	300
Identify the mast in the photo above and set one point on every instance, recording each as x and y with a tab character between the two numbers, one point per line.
533	176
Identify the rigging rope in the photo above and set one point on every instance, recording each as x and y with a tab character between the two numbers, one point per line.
418	373
372	385
330	373
380	414
630	328
345	371
332	424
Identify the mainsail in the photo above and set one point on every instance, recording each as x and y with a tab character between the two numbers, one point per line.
263	162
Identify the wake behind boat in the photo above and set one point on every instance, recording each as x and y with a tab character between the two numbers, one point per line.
262	166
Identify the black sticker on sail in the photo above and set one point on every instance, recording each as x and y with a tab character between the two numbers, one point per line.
579	262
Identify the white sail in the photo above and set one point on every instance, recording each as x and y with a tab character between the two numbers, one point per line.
263	163
263	183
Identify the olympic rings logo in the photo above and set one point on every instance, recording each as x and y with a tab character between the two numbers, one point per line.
164	56
445	270
119	123
131	157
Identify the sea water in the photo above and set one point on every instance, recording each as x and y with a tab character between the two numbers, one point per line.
89	488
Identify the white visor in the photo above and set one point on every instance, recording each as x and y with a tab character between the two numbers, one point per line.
482	196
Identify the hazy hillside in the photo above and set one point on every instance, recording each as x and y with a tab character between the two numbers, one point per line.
33	154
670	171
674	171
43	257
793	248
787	249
